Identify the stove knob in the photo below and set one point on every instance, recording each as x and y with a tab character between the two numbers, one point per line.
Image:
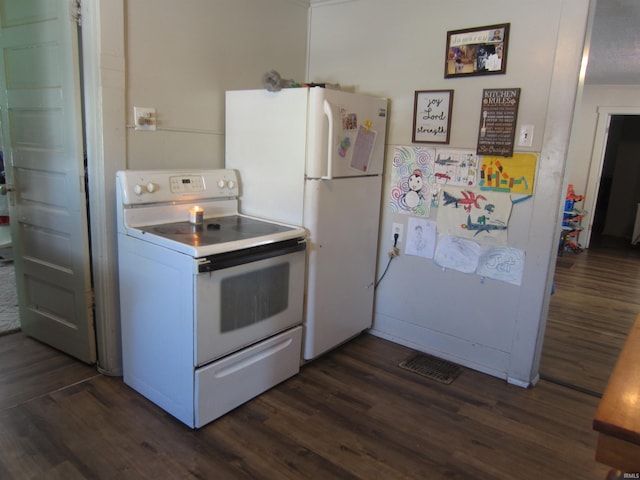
231	184
221	183
139	189
151	187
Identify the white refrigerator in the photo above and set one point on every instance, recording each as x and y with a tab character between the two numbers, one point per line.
314	157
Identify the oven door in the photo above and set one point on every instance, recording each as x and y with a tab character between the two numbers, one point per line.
245	296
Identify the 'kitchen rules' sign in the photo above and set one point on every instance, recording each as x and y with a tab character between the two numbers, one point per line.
498	117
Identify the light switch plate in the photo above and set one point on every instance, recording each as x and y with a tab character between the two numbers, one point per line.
525	139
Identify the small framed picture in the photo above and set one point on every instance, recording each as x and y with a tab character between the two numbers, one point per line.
432	116
477	51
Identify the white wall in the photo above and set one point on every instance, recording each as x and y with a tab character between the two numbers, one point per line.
182	56
392	49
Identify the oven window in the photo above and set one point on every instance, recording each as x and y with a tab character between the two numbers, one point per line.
254	296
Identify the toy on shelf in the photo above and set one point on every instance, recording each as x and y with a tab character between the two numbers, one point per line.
571	223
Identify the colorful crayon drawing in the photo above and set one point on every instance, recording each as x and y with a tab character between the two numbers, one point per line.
467	199
456	167
482	226
481	216
513	174
412	180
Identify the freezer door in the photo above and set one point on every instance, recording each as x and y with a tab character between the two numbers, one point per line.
342	216
347	134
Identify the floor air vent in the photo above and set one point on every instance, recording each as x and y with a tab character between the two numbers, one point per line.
432	367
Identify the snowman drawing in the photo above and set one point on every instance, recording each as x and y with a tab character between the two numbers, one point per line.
414	196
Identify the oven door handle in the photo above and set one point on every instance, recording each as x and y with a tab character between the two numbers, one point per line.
234	258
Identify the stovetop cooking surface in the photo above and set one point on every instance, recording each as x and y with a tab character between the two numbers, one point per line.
215	230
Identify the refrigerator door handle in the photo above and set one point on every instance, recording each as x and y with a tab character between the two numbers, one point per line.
329	113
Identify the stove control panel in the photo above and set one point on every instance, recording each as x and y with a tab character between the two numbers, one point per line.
186	183
155	186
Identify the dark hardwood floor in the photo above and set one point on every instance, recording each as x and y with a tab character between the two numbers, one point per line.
352	414
596	302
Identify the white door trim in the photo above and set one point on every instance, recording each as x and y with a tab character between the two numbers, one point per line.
104	89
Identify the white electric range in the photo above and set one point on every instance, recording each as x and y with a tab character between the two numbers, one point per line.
211	301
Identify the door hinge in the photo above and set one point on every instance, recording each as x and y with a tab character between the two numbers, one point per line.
76	11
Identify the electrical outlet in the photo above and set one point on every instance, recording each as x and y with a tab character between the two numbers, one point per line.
399	229
145	118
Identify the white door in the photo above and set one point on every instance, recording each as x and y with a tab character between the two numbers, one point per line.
43	151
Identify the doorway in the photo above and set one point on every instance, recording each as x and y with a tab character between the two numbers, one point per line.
9	312
615	209
5	232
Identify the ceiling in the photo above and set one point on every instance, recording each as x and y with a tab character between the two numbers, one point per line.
614	54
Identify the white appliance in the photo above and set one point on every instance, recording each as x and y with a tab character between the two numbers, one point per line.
212	305
314	157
